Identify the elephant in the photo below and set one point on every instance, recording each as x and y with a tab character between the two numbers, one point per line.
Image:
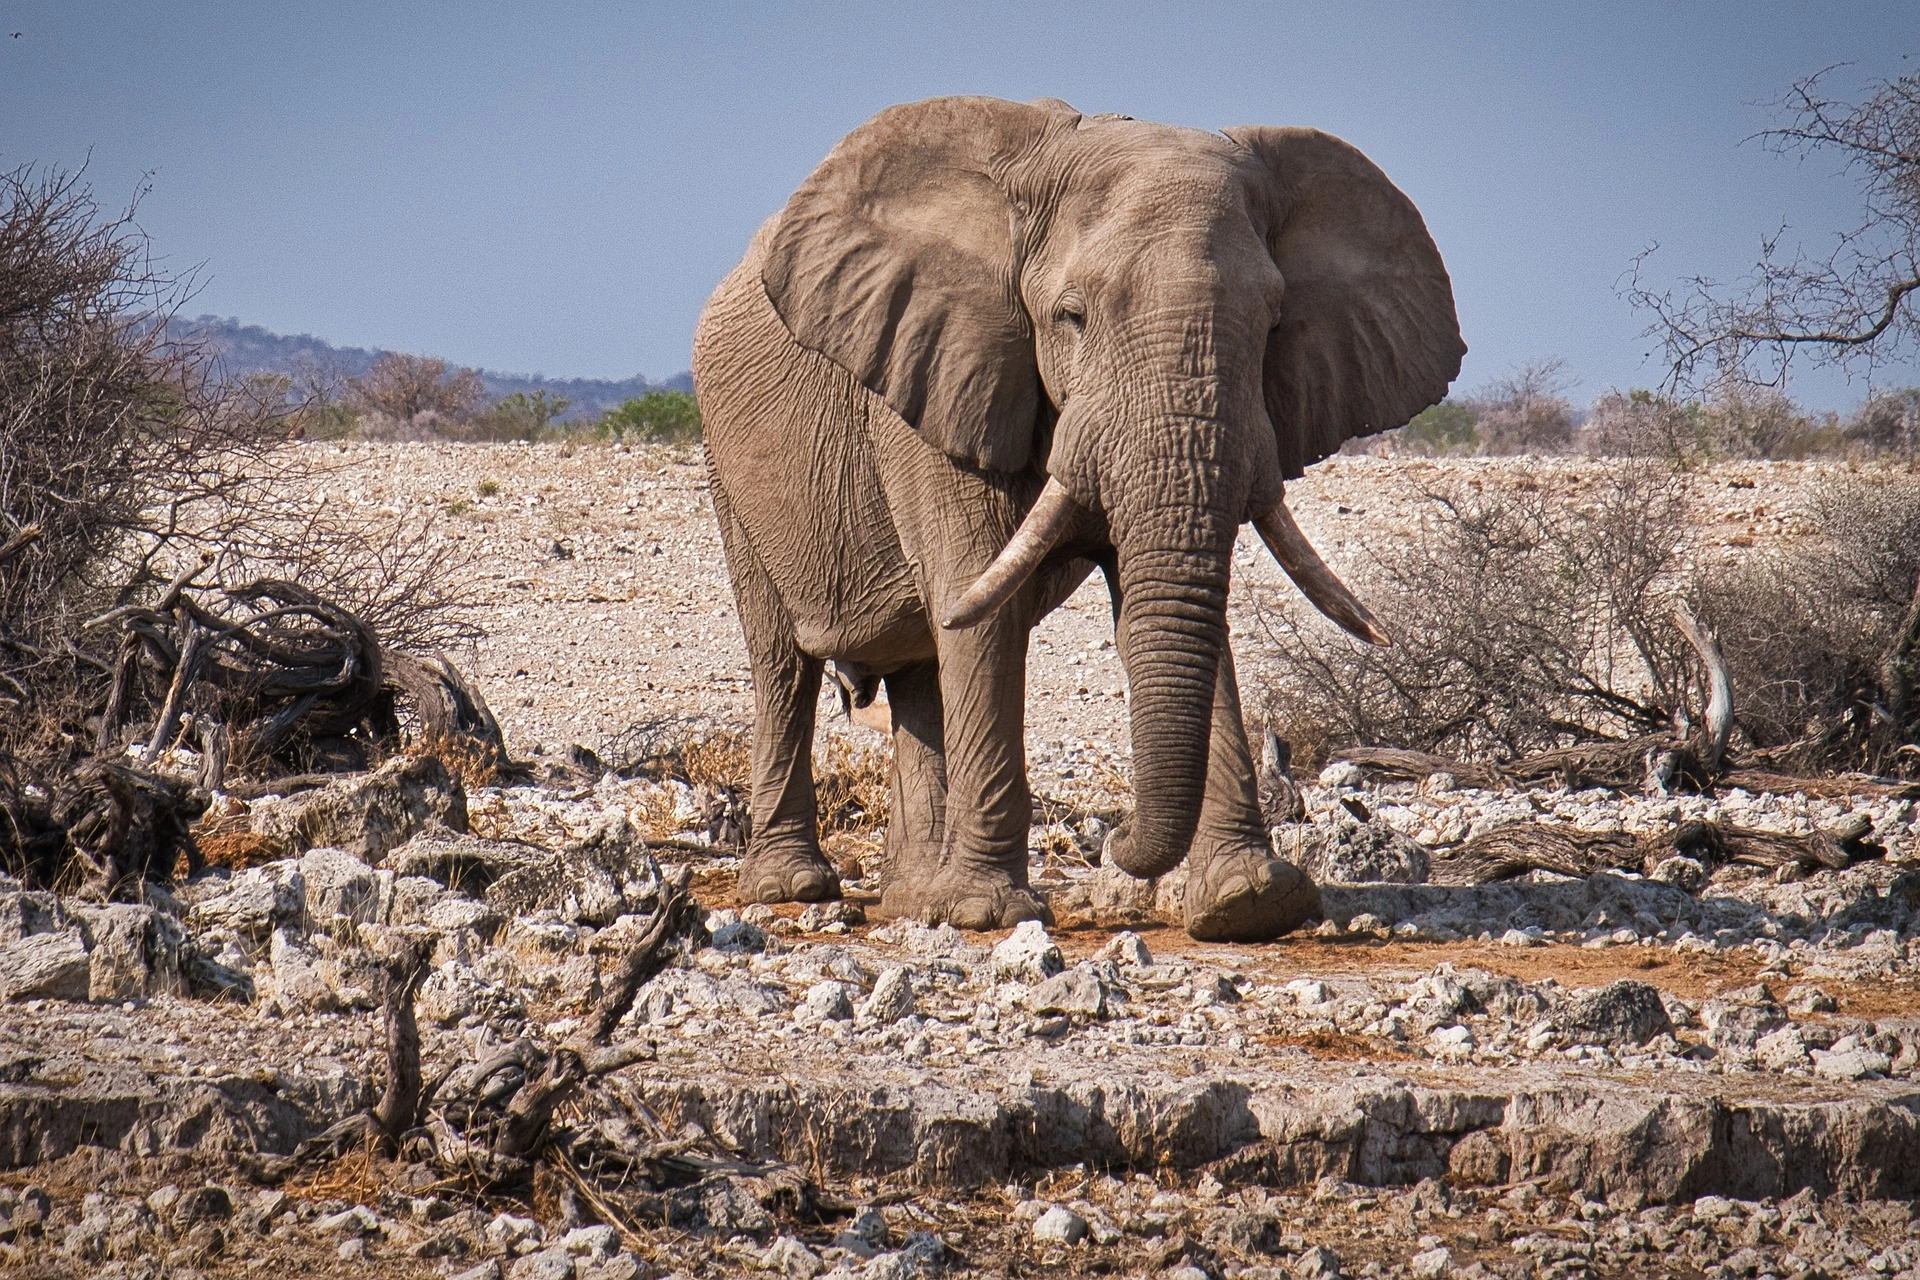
986	348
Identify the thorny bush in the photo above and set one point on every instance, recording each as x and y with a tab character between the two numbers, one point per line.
1522	619
1823	638
1526	620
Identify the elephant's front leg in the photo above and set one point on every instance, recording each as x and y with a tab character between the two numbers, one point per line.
1236	890
961	739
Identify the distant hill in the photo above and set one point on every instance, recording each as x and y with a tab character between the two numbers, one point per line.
248	349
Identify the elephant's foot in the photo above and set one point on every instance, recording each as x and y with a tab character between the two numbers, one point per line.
979	899
787	873
1246	895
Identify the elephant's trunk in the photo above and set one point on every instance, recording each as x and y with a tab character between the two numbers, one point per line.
1173	624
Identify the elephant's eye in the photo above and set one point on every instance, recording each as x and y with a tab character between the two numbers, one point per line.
1071	311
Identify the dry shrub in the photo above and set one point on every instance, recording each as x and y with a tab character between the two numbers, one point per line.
1526	621
694	749
852	787
1813	633
1888	423
111	439
397	572
1523	620
722	760
417	389
124	459
658	814
1525	411
475	762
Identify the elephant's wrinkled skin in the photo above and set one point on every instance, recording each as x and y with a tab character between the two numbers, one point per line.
970	300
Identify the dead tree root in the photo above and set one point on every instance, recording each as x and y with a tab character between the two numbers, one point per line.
1511	851
494	1122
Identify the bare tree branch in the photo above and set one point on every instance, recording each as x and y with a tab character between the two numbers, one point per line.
1851	308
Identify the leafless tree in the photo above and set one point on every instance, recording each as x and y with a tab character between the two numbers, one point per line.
408	388
1852	307
114	441
1527	410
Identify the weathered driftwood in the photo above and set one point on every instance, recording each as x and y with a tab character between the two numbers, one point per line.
1711	747
1507	852
296	680
1514	850
117	825
447	705
1416	766
1835	786
495	1120
399	1104
678	916
1615	764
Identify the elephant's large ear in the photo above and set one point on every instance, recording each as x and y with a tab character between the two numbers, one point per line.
896	259
1367	335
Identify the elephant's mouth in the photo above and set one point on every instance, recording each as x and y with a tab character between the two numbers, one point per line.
1056	512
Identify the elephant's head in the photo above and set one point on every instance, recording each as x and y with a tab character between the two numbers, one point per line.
1170	322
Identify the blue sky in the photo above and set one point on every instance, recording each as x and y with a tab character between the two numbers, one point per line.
556	188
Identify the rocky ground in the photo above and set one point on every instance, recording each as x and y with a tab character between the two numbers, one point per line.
1545	1076
1707	1070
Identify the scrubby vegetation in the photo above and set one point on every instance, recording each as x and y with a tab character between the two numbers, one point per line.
406	397
659	417
159	540
1526	622
1527	414
1825	637
1521	619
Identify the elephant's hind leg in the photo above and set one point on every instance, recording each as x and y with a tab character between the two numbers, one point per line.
916	827
1236	890
783	862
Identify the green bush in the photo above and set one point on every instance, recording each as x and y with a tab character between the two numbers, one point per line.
518	417
1447	427
658	417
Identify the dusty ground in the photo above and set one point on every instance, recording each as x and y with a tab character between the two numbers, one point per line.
605	596
1430	1082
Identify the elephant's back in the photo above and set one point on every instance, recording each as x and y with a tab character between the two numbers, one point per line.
788	441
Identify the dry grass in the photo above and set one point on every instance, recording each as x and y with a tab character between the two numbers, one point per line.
852	779
477	764
723	759
358	1176
658	814
851	786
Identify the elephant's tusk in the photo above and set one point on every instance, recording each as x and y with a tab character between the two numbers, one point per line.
1052	515
1310	573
